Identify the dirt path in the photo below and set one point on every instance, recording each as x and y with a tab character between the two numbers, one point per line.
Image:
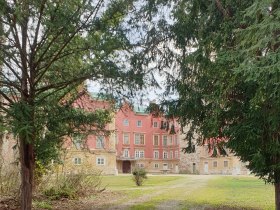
186	185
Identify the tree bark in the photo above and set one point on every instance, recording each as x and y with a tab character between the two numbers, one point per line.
27	166
277	196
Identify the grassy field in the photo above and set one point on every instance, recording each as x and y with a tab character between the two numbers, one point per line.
188	192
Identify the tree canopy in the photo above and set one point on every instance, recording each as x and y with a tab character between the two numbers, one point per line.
228	77
48	51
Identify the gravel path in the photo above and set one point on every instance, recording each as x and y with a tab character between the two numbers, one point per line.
187	185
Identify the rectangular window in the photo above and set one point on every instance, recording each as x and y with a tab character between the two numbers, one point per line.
139	154
140	165
126	153
139	139
156	154
155	124
139	123
125	138
215	164
77	140
165	155
100	161
164	141
156	140
77	161
156	165
170	140
175	140
176	154
225	163
100	142
171	154
125	122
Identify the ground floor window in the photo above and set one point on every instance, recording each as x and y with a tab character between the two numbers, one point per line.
140	165
215	164
77	161
225	163
156	165
100	161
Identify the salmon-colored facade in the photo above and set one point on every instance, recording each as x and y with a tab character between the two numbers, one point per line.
146	141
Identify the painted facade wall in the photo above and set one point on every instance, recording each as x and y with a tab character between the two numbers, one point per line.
201	162
142	143
91	152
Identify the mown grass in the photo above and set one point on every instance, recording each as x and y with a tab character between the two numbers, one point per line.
126	182
126	186
222	192
236	192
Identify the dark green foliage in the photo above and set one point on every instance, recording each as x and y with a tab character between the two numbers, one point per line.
227	76
139	175
228	82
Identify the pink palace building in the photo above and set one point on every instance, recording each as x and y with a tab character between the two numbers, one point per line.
146	141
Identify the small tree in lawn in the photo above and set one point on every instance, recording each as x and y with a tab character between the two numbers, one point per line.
139	175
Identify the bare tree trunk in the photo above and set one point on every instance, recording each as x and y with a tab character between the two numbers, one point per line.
277	196
27	168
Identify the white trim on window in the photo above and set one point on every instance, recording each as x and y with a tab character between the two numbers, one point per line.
100	161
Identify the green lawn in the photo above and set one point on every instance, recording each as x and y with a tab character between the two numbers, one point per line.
126	182
218	192
240	192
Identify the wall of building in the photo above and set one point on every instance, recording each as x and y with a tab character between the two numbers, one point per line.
89	153
159	150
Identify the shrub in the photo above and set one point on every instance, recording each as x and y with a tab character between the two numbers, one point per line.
74	185
139	175
9	182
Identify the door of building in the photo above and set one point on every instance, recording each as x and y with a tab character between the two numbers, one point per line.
206	167
194	168
126	167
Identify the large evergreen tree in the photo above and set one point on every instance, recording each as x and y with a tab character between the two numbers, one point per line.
48	49
228	81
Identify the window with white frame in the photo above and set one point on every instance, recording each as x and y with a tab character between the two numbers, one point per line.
126	153
165	155
164	140
100	161
140	165
176	154
139	123
77	141
125	138
139	154
156	140
139	139
155	124
156	154
77	161
125	122
170	142
100	142
171	154
156	165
